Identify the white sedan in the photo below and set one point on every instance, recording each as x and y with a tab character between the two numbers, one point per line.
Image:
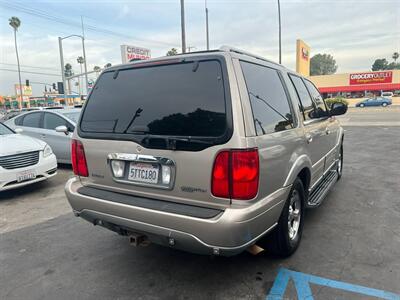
23	160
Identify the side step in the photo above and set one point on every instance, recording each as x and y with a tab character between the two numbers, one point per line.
318	194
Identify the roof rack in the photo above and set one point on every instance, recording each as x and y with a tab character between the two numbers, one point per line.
236	50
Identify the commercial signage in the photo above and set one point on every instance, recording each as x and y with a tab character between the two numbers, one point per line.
302	58
131	52
26	90
371	77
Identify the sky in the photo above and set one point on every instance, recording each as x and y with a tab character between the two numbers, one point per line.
355	32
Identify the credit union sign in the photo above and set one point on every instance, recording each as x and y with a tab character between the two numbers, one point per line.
371	77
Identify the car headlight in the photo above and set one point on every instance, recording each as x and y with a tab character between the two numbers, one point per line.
47	151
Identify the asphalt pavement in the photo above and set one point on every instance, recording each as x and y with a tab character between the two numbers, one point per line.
352	240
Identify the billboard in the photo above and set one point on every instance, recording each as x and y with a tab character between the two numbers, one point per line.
371	77
132	52
302	58
26	90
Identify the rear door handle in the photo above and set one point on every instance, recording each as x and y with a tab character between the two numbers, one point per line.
309	138
327	131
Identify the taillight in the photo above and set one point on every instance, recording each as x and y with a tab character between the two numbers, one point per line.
235	174
78	159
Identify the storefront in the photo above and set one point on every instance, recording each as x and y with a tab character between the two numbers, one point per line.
358	85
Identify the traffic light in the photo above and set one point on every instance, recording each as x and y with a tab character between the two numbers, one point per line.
60	87
54	86
27	82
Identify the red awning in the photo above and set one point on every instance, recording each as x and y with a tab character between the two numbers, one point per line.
361	87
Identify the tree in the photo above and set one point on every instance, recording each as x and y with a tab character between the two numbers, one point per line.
380	64
15	23
107	65
68	73
322	64
171	52
395	56
96	69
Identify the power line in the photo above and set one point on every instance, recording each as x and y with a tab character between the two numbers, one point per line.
30	72
50	17
26	66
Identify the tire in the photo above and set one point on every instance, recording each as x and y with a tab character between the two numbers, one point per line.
384	104
284	241
339	168
362	105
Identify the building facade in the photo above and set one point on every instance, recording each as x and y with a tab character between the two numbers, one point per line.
358	84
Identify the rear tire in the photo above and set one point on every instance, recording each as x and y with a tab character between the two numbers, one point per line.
286	237
384	104
361	105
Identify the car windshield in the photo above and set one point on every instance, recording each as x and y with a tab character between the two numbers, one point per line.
182	99
73	116
5	130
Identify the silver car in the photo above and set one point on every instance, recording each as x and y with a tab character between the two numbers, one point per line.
208	152
54	127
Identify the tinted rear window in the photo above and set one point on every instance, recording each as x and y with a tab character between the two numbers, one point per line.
185	99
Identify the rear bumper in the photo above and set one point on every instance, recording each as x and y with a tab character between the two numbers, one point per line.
227	233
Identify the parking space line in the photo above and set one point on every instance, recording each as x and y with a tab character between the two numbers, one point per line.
302	284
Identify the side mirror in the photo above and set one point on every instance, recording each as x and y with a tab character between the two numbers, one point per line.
63	129
18	130
338	108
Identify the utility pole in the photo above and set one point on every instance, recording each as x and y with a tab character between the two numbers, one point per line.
62	65
183	26
84	55
207	35
280	35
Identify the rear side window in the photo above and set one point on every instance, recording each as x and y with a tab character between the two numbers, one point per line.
51	121
18	120
307	105
183	99
31	120
269	103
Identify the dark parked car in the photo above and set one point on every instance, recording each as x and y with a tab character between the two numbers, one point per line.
379	101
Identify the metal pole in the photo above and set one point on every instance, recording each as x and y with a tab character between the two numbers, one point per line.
84	54
207	35
280	35
62	65
183	26
84	62
21	90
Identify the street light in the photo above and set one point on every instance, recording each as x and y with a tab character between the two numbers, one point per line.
207	36
60	39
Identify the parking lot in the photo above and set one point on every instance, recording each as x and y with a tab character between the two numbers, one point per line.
354	238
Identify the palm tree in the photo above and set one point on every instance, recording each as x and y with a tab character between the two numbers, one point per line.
68	73
395	56
97	69
15	23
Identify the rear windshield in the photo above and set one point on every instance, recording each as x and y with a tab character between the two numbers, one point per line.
183	99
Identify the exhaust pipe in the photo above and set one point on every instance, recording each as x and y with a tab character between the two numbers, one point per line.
136	239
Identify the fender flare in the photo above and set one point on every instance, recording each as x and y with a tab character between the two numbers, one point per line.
303	161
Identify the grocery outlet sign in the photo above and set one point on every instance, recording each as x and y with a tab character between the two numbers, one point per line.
371	77
131	52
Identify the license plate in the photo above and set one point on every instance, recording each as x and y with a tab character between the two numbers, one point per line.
143	173
26	175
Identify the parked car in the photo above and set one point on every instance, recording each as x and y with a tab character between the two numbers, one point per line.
23	160
387	94
226	150
378	101
54	126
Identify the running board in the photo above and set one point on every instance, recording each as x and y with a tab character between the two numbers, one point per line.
318	194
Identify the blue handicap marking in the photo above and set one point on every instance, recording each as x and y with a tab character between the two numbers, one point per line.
302	284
